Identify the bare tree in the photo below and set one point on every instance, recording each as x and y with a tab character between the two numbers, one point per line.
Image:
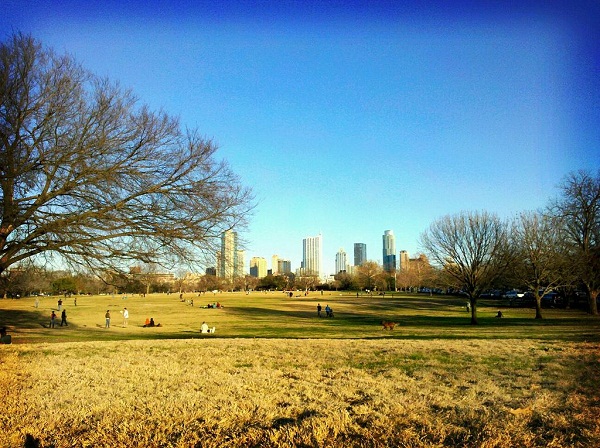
579	208
369	275
90	175
538	254
471	249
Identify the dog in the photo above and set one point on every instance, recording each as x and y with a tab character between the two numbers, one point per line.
387	325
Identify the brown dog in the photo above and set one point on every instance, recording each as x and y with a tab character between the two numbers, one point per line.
387	325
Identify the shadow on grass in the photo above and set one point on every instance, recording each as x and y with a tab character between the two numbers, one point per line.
25	318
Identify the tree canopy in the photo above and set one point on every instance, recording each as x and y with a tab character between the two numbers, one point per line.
579	208
93	176
471	247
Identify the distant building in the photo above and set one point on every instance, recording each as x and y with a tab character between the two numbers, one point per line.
284	266
341	263
312	256
274	264
258	267
230	262
404	260
389	251
240	265
211	271
360	253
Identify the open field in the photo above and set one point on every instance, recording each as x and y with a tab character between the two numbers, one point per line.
275	375
272	315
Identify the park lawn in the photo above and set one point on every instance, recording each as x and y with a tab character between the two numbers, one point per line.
274	315
264	392
276	375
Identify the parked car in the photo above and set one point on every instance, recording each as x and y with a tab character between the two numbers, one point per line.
514	294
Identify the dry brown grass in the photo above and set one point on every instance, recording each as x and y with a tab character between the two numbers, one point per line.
306	393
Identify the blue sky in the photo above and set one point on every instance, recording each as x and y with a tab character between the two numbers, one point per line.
351	118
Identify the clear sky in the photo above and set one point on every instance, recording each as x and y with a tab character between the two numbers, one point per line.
349	118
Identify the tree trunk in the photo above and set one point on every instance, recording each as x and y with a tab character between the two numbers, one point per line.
593	301
538	307
473	311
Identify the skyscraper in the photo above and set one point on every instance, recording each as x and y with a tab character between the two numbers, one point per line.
389	251
284	266
341	261
227	259
404	260
274	264
360	253
312	255
239	264
258	267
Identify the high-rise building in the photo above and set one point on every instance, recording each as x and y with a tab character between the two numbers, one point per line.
404	260
341	263
274	264
389	251
240	265
258	267
360	253
312	255
284	266
227	259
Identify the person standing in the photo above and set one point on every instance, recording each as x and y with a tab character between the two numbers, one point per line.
63	318
319	308
52	319
59	304
107	317
125	317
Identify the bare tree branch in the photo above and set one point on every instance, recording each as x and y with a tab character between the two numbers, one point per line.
90	174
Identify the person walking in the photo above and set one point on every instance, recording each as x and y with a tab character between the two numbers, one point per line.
319	308
125	317
107	317
52	319
63	318
59	303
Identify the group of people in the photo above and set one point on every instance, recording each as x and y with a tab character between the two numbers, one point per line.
328	310
214	305
107	319
125	314
63	318
150	323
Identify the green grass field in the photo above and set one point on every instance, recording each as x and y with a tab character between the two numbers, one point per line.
276	375
273	315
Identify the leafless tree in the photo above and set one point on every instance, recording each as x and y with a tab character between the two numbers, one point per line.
471	248
579	208
537	246
369	275
90	175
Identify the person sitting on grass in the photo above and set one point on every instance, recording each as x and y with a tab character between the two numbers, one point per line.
499	314
204	328
152	324
5	338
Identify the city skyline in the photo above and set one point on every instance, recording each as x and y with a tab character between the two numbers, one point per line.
313	257
350	118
